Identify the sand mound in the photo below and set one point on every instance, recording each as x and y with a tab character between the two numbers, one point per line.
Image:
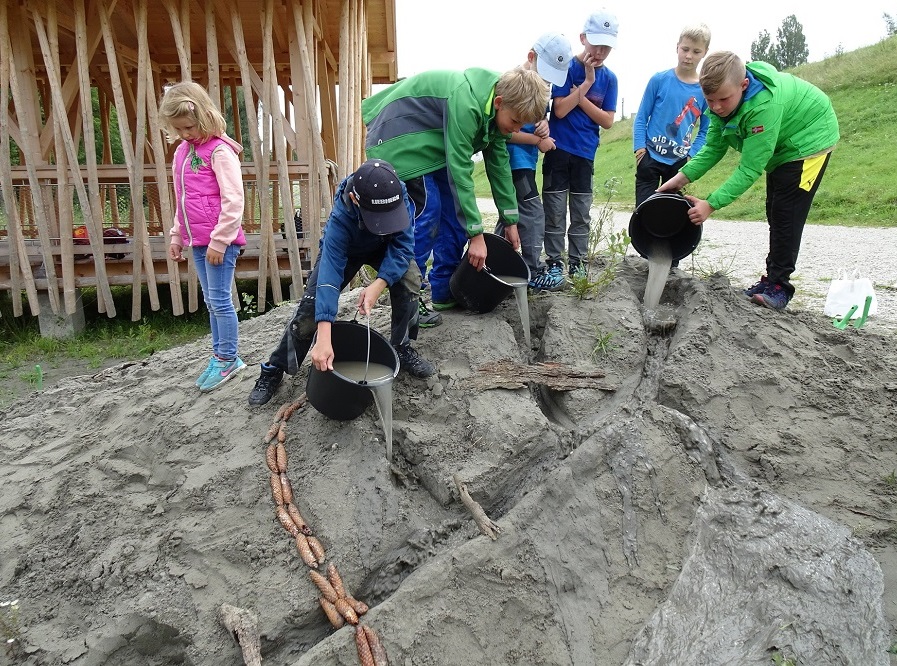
722	492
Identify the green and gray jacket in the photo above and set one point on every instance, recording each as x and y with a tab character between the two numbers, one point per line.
440	119
781	119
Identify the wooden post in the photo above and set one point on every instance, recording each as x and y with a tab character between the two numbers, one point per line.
167	211
83	52
63	196
258	155
19	265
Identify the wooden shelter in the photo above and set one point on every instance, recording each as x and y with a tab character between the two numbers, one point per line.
82	80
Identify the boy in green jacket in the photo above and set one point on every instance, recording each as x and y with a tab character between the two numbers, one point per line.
428	127
780	124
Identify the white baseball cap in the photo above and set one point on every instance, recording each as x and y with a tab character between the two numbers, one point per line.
553	55
601	29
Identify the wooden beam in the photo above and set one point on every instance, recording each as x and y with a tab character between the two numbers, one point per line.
89	204
27	109
19	265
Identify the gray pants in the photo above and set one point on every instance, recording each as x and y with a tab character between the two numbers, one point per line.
577	235
566	176
531	226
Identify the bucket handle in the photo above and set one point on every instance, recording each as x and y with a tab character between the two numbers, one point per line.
367	361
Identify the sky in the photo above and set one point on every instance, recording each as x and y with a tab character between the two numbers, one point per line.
497	34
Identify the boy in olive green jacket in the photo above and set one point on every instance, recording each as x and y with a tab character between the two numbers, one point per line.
781	125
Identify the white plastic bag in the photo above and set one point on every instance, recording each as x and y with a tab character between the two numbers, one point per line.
845	291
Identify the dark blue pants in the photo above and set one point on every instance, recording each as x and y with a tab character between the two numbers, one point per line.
298	335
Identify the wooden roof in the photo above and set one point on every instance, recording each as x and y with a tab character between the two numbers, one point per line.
381	34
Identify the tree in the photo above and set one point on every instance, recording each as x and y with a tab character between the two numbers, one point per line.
791	46
789	49
762	48
890	24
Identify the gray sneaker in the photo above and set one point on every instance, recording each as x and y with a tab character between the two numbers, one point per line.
426	318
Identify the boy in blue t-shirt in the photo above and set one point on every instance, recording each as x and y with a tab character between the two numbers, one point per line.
673	104
585	103
550	56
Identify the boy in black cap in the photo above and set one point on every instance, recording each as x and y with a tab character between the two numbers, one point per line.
370	224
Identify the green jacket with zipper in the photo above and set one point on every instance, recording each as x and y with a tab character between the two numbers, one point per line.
781	119
440	119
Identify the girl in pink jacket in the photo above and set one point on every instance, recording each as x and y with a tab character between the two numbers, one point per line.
208	189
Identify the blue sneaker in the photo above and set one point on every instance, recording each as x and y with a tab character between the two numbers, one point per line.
757	288
222	371
775	297
551	279
205	373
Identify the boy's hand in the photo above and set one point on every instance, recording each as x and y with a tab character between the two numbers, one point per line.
541	130
512	236
700	210
674	184
546	144
367	299
322	356
476	251
322	352
639	154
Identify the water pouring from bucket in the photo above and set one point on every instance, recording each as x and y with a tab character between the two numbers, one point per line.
661	232
505	273
364	367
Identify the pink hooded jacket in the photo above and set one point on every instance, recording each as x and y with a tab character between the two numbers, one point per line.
208	188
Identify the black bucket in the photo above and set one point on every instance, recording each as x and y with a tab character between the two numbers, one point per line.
663	218
481	291
342	398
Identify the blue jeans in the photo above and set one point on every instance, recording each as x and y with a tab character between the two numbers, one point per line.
437	230
216	284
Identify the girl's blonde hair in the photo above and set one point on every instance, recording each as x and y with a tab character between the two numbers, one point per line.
525	93
190	100
720	68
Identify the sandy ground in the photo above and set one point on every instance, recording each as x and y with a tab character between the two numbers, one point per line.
717	490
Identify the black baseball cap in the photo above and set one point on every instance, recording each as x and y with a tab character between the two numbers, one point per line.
378	191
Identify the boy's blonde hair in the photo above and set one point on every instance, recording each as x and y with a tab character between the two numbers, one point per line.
698	33
190	100
720	68
524	93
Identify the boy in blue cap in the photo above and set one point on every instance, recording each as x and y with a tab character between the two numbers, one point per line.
550	56
370	224
586	103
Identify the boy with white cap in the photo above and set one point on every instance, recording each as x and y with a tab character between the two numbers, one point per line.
585	103
550	56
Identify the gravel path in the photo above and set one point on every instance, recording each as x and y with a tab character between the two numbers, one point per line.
739	249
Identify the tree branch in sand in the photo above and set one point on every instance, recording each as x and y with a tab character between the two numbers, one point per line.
483	521
507	374
243	625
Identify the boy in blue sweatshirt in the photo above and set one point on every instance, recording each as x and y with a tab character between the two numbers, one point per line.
672	106
370	224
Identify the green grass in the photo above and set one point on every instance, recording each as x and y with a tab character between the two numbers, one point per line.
857	189
104	340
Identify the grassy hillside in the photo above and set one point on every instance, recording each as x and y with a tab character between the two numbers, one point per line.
859	185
